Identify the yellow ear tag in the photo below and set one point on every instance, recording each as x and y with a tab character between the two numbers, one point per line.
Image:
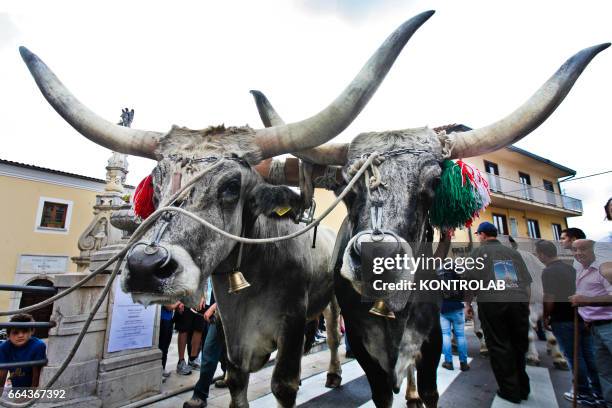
280	211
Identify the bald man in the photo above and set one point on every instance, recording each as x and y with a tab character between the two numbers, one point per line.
594	298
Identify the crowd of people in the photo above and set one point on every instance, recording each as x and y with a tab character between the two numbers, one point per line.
577	296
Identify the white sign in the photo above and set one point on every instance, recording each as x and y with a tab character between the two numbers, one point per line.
42	264
132	325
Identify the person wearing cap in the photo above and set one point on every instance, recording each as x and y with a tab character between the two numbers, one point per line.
504	313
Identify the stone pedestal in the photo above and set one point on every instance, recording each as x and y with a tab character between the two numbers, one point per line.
79	380
129	375
97	377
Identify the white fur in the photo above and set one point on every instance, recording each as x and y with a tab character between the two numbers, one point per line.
184	286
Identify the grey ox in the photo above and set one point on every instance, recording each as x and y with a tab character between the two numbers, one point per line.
290	283
404	190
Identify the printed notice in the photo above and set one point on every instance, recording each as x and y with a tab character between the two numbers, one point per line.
132	325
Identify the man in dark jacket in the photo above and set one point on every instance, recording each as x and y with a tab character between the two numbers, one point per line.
504	314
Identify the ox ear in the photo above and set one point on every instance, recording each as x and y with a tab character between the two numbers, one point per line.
273	200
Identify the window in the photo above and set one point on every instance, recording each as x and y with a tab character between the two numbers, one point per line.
550	192
491	168
533	228
548	185
500	223
525	180
513	227
556	230
492	175
53	215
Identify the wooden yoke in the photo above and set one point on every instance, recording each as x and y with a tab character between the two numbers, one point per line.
292	171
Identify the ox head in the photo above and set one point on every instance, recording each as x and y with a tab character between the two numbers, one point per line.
411	171
409	175
232	193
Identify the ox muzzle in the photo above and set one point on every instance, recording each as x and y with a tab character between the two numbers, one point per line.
150	266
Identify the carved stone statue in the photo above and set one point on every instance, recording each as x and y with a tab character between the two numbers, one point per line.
127	116
100	232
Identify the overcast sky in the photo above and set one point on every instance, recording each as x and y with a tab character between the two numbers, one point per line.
193	63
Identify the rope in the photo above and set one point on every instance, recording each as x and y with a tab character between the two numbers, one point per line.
137	234
76	345
151	219
328	179
275	239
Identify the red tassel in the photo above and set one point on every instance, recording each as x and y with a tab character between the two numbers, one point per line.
143	198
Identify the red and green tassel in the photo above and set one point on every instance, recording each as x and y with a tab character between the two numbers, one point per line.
460	196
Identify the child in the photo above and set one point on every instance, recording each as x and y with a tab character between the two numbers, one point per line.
21	346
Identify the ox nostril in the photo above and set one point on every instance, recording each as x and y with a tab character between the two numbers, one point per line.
167	269
147	260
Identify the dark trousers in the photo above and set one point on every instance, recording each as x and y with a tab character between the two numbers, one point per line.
211	353
165	337
588	380
506	328
221	338
189	337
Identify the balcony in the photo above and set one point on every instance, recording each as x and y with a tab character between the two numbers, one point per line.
510	191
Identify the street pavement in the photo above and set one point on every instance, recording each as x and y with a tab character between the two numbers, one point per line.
475	388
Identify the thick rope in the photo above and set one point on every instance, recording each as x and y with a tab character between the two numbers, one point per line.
151	219
137	234
76	345
314	223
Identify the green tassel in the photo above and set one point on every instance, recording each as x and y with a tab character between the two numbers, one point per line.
455	202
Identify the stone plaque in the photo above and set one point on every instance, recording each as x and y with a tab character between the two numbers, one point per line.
42	264
132	325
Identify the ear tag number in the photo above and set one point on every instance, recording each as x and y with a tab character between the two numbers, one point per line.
280	211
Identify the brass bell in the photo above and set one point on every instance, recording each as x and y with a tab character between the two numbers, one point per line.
381	309
237	282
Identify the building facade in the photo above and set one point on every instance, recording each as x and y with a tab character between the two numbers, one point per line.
45	213
526	198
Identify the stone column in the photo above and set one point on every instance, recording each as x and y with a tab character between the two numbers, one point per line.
133	374
97	377
128	375
100	232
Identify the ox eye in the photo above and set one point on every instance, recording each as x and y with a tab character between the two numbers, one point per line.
230	191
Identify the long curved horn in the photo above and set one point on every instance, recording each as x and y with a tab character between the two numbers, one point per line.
328	123
528	116
330	154
118	138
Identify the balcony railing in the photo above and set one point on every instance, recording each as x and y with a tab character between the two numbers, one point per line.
522	191
528	244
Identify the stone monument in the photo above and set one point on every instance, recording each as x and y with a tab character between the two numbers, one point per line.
118	362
